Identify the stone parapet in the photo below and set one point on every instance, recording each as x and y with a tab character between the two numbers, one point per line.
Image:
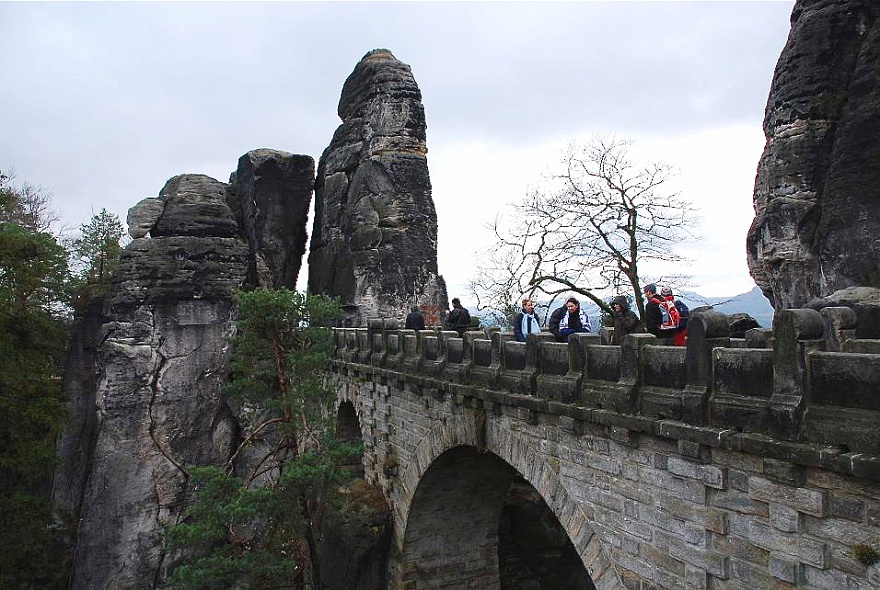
803	394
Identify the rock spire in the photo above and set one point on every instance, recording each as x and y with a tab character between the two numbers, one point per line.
374	240
817	192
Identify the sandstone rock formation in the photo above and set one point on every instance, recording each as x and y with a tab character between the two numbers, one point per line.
147	363
817	192
160	363
273	193
374	241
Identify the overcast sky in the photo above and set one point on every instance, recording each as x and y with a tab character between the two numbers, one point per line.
102	103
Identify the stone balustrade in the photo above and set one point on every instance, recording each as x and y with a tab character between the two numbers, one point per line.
805	392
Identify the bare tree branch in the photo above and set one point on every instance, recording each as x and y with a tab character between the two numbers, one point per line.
593	226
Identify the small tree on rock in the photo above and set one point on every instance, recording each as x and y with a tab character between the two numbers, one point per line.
98	247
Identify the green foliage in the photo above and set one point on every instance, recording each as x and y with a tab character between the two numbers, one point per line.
33	270
33	334
98	246
865	554
94	254
241	537
238	535
281	350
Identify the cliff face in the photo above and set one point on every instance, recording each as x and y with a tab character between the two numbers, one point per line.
146	371
817	192
273	194
374	240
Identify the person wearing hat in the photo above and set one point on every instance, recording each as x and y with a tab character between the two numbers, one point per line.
679	336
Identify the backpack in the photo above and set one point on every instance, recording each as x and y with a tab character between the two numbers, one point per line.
669	315
683	313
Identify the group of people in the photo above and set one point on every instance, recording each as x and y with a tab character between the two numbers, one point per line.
570	318
458	319
564	321
665	317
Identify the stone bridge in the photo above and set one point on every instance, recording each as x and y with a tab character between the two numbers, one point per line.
731	463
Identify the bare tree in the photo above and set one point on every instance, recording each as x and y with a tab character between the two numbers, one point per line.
25	205
595	226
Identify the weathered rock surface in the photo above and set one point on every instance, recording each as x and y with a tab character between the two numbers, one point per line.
374	241
195	205
864	301
817	192
80	386
740	323
143	216
160	364
356	539
271	200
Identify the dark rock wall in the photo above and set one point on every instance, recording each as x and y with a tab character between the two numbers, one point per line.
374	241
817	192
272	196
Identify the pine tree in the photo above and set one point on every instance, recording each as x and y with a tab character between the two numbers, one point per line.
253	531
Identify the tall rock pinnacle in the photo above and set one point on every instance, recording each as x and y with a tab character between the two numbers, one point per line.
374	241
817	192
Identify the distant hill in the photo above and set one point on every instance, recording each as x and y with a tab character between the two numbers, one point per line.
752	302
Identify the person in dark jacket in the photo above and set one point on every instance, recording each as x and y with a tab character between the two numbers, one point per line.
570	320
625	320
459	319
653	316
526	321
414	319
555	318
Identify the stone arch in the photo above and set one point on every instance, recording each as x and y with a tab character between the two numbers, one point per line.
348	426
470	430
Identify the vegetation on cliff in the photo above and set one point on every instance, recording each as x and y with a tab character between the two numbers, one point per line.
248	525
37	286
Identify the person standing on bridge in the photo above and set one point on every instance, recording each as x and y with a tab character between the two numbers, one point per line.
459	319
414	319
526	321
679	335
625	320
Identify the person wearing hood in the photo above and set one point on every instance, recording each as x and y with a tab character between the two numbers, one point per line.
625	320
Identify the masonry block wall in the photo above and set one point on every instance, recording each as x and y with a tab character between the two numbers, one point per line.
716	465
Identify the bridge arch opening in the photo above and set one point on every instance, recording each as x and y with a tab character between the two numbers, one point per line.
475	522
348	429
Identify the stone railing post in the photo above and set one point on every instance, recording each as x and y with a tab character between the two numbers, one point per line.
364	346
411	358
707	329
797	333
378	351
486	358
840	325
630	372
